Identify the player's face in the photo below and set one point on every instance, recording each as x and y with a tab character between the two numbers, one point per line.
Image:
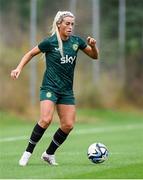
66	27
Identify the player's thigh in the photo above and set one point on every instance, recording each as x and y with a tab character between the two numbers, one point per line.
46	111
67	115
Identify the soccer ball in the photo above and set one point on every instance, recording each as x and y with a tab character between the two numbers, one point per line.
97	153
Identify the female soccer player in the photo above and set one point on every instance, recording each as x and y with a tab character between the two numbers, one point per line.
57	87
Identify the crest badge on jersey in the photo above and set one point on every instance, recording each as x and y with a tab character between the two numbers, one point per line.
75	47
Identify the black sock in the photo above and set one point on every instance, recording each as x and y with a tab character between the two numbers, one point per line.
36	135
58	138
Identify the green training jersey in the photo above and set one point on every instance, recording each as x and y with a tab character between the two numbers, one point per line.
59	72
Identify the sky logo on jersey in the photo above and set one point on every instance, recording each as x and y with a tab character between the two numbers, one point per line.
68	59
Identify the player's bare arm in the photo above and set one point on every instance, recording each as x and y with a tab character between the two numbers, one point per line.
26	58
91	50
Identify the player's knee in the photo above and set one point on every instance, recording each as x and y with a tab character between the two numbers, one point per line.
67	127
45	121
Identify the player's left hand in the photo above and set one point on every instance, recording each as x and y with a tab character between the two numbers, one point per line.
91	41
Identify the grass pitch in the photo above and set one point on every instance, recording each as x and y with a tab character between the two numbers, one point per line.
121	132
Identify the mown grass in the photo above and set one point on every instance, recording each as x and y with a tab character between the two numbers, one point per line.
121	132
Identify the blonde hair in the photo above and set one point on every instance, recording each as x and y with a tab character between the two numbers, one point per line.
57	20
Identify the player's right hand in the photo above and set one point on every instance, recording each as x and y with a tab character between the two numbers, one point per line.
15	73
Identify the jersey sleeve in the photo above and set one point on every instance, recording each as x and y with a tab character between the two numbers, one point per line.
44	46
82	43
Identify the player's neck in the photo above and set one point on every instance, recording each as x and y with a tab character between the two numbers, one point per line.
64	38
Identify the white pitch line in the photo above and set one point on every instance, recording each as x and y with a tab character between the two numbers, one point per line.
82	131
9	139
109	129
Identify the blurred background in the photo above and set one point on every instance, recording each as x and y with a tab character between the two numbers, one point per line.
115	81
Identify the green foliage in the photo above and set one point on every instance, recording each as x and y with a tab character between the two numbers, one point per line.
134	23
109	19
14	42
